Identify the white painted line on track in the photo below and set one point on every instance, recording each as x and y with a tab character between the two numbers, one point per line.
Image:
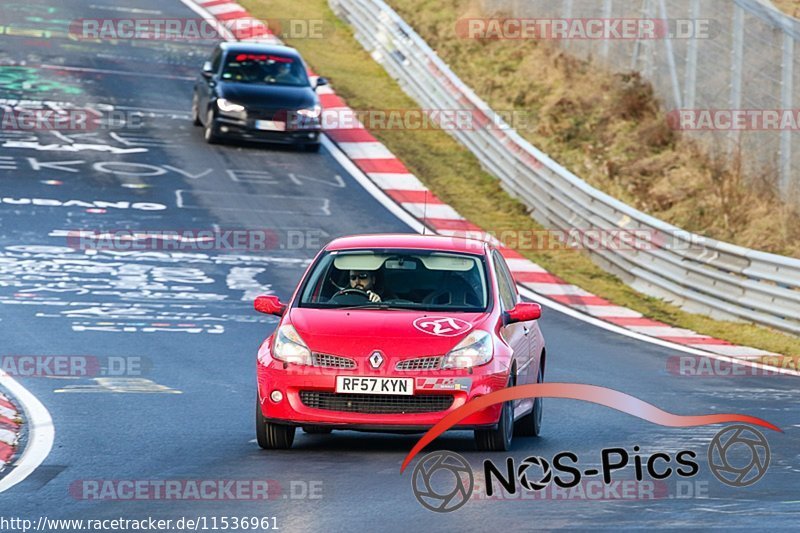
41	433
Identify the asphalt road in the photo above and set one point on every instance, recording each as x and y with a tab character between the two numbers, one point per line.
186	319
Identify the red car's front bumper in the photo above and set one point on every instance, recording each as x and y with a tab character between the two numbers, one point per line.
294	407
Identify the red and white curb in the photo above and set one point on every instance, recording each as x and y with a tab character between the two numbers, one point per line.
386	171
10	427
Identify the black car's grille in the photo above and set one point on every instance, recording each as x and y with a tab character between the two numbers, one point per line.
420	363
375	403
332	361
267	114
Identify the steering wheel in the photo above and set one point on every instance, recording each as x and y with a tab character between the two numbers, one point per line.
356	292
350	296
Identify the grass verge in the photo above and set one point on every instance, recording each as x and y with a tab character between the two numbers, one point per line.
453	173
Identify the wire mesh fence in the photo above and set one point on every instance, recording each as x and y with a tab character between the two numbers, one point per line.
727	70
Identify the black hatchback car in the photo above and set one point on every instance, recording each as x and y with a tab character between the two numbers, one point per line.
258	92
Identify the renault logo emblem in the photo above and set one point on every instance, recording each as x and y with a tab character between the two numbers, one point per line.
376	359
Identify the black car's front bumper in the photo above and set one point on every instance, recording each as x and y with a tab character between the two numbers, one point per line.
245	128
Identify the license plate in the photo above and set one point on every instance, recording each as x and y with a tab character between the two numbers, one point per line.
364	385
270	125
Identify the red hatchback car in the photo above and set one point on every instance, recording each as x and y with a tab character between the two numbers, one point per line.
391	333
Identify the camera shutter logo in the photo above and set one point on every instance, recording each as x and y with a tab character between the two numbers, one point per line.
544	479
739	456
455	481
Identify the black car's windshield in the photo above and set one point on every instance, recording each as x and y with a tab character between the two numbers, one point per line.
264	69
401	279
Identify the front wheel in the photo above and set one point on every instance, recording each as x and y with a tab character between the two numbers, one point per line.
272	436
530	425
196	111
499	439
210	133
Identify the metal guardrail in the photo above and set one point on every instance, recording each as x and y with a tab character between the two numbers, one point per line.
700	274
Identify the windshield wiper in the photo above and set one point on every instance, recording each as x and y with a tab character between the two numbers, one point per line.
378	305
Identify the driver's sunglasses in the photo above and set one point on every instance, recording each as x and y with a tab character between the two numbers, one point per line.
354	277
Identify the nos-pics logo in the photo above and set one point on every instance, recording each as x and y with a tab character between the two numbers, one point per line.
443	481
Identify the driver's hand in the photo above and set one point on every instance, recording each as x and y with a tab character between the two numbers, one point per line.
373	297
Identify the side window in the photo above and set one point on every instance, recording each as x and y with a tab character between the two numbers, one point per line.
216	59
507	293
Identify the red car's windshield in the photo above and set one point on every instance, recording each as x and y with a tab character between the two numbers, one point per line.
404	279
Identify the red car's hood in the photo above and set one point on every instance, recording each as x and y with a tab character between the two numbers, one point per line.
395	333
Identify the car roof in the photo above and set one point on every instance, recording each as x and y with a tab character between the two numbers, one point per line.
260	48
408	241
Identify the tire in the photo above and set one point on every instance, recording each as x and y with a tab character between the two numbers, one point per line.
499	439
311	148
195	111
272	436
317	430
530	425
210	132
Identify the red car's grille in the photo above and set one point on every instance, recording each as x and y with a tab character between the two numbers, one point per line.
332	361
420	363
374	403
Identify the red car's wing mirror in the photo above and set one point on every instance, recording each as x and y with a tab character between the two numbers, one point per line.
269	305
524	312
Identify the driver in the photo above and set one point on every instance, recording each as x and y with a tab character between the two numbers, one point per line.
364	280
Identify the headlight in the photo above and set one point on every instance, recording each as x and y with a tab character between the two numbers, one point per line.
289	347
474	350
312	112
227	106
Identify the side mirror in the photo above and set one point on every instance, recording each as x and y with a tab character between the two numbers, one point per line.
320	82
269	305
208	71
524	312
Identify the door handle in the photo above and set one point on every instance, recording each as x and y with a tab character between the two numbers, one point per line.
526	330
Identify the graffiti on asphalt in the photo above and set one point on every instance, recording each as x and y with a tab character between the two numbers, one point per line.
25	80
137	291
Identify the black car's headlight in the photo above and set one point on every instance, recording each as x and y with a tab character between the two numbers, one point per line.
311	112
226	106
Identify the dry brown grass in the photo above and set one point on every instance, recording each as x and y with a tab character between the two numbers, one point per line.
610	130
790	7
